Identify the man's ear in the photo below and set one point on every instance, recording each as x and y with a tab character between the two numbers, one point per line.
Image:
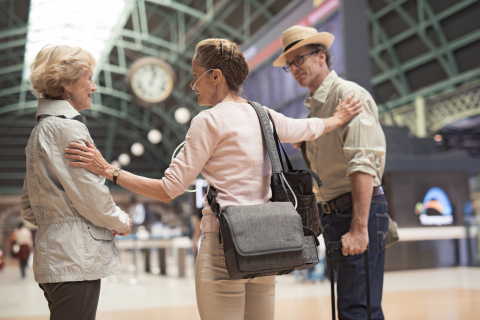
321	57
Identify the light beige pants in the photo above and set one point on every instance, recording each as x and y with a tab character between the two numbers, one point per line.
219	297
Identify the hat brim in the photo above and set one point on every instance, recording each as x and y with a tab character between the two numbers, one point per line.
323	38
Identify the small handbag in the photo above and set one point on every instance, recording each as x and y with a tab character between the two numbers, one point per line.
269	238
301	182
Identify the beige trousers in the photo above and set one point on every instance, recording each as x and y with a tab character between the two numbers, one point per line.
219	297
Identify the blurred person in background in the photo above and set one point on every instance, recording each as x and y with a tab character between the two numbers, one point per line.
2	260
73	209
350	161
225	144
24	240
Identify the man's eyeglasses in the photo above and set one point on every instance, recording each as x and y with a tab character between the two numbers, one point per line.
298	61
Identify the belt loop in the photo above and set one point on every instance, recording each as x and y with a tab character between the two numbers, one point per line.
325	207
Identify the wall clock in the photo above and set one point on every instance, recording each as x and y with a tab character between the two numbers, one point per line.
150	80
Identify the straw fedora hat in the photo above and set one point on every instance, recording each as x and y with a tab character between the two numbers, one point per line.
298	36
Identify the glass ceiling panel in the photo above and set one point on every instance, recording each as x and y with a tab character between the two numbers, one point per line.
89	24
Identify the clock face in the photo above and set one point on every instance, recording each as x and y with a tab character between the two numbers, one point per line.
150	80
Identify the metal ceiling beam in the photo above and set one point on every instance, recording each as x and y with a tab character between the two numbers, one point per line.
441	36
154	41
261	8
204	16
427	57
13	32
136	122
431	90
201	24
13	44
448	66
110	138
399	80
11	16
182	25
162	29
386	10
412	31
11	69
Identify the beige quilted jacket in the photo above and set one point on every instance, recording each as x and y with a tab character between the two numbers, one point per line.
72	207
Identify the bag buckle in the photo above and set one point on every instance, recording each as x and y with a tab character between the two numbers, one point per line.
325	207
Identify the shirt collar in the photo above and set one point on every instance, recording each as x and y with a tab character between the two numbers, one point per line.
322	92
55	108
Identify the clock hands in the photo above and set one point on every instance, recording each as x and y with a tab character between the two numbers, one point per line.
154	73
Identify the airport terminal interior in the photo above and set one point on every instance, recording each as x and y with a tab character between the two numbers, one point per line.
418	59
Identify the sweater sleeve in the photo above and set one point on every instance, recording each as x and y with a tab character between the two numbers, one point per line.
296	130
202	139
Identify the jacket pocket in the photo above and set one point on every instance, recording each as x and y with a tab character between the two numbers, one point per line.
98	233
382	229
100	252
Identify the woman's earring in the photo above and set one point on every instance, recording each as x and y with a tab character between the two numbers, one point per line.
68	96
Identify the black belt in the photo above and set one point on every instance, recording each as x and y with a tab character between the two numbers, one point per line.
344	199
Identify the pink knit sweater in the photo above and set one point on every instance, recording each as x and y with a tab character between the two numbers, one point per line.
225	143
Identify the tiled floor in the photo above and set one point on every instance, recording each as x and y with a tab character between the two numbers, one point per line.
448	294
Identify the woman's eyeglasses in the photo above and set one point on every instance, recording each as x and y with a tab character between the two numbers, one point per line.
298	61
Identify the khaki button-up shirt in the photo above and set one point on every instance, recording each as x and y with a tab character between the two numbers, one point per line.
358	145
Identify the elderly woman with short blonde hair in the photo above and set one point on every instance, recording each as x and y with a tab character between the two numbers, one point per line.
73	209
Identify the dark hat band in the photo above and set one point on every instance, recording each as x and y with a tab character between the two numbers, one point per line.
291	45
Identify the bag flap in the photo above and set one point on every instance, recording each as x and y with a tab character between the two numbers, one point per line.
99	233
265	228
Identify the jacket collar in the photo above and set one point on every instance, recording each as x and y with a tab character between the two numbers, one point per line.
322	92
55	108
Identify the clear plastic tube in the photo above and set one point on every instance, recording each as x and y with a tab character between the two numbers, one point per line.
293	193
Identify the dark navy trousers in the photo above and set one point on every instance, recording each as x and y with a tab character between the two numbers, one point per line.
351	285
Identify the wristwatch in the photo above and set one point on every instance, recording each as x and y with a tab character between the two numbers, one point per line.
116	174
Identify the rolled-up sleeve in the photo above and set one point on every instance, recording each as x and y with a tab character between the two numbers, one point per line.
363	140
88	193
201	141
296	130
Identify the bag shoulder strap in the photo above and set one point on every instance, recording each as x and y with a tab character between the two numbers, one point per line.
269	140
289	164
273	153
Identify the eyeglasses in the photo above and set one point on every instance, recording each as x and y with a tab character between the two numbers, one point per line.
298	61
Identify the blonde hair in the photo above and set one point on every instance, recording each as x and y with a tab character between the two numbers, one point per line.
55	66
231	62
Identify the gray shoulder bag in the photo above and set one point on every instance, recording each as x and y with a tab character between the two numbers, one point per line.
265	239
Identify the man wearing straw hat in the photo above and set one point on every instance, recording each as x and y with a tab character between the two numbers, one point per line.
350	160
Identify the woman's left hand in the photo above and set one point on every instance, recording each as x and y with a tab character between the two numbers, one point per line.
89	157
347	109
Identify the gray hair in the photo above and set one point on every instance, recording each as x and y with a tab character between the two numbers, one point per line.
325	50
